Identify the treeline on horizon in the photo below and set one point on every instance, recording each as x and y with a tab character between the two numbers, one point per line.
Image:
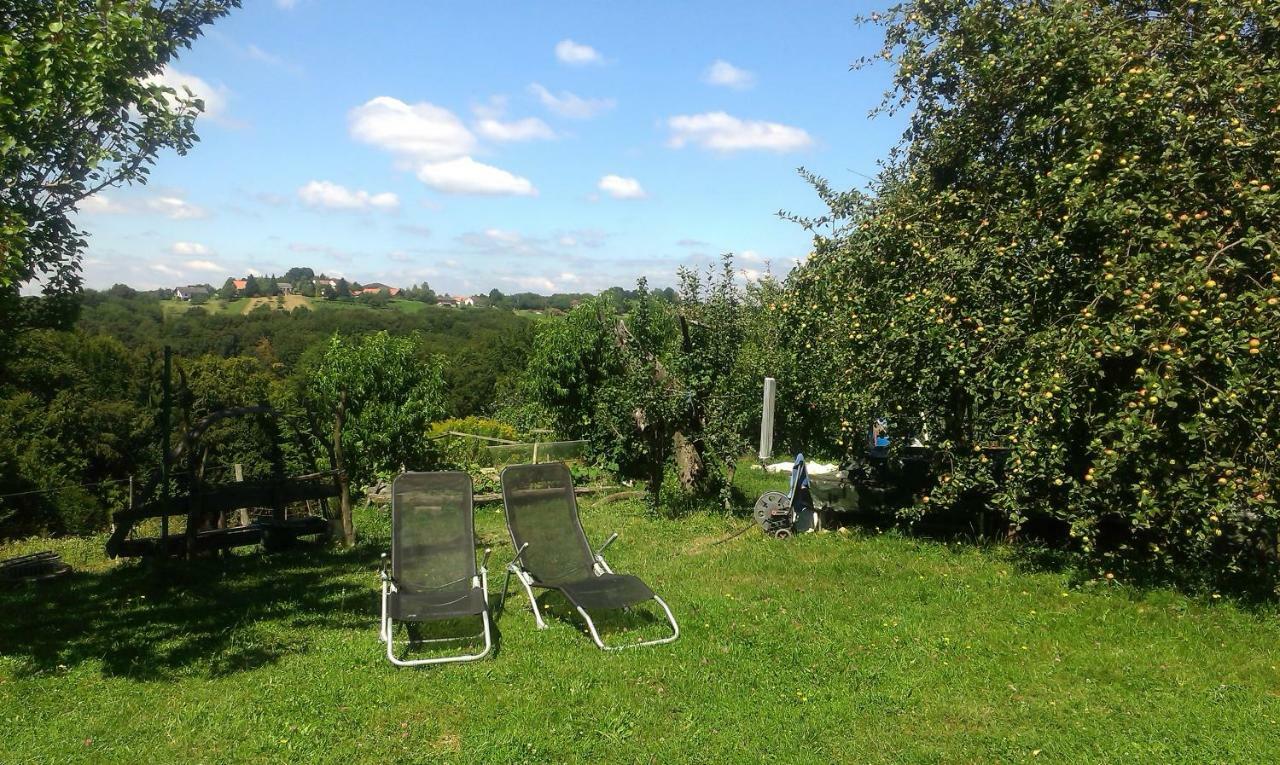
304	281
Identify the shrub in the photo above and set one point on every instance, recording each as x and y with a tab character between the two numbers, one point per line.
1072	256
466	453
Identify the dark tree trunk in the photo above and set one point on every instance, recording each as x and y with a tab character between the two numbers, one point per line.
691	467
344	481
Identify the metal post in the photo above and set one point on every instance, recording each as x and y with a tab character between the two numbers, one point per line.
766	418
536	432
244	511
165	405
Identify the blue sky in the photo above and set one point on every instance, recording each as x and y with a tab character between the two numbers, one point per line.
526	146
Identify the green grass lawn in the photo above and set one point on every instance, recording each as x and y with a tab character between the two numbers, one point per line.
836	647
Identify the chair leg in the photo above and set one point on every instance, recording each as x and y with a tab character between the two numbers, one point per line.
595	636
533	602
502	602
387	630
383	632
487	633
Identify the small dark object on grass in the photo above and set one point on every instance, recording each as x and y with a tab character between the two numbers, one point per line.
35	567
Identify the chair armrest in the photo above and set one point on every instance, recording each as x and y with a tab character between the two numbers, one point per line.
519	553
484	562
612	538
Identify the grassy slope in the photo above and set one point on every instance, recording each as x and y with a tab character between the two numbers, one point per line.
833	647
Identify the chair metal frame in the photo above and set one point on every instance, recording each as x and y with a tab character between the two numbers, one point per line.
599	567
387	624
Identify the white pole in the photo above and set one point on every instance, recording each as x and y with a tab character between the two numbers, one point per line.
244	512
766	418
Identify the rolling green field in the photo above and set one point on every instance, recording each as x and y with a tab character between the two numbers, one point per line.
835	647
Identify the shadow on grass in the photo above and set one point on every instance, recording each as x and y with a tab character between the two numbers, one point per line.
448	637
156	620
616	627
1044	546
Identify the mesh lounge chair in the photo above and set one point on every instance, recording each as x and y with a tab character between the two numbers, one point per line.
433	574
552	552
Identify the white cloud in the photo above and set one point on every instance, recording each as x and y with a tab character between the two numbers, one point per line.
433	141
527	129
421	131
531	283
215	99
203	265
175	208
727	75
494	108
286	4
750	256
166	270
101	204
577	54
723	132
188	248
621	188
466	176
335	197
567	104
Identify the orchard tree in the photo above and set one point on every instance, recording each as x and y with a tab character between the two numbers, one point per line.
658	387
606	376
80	111
730	342
1073	256
378	397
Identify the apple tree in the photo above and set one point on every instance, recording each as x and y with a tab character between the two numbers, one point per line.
1071	256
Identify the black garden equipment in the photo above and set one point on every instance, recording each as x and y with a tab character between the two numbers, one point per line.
552	551
35	567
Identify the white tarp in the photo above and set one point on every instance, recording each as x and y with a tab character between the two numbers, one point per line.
815	468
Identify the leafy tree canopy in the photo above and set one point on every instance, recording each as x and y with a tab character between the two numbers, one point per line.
1072	257
80	111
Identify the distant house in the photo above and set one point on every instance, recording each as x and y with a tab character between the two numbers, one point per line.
240	284
373	288
331	283
467	301
448	301
188	292
285	288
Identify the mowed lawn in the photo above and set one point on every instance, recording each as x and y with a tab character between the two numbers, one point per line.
837	647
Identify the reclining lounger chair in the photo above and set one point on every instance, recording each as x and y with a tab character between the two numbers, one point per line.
433	574
552	552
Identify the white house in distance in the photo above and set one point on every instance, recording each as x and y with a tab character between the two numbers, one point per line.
453	301
190	291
